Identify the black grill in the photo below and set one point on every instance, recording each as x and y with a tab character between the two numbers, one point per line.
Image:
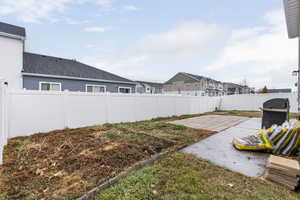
275	111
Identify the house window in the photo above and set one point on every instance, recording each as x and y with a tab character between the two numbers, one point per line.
95	88
125	90
50	86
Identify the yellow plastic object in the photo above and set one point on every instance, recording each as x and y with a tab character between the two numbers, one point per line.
290	136
270	131
279	135
283	144
259	142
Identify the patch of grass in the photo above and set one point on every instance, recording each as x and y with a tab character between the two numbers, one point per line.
176	117
114	135
157	126
139	185
246	113
181	176
178	127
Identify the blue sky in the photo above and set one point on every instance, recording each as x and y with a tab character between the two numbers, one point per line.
229	40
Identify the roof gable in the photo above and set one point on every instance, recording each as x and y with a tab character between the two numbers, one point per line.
12	29
179	77
54	66
152	84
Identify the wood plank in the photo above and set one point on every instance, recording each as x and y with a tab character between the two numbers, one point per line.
287	184
283	173
293	180
289	164
282	169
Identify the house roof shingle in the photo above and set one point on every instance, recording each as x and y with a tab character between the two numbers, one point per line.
198	77
12	29
152	84
48	65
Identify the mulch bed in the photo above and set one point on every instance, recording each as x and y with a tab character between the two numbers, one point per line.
66	164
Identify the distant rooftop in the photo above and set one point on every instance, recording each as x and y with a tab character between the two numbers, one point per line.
153	84
54	66
197	77
285	90
12	29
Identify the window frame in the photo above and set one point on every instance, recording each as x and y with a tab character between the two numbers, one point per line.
48	82
93	85
130	90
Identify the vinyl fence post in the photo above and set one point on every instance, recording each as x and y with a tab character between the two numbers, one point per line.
65	105
3	119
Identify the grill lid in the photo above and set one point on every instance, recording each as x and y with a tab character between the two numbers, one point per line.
278	103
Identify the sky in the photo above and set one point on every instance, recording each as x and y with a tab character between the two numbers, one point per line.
152	40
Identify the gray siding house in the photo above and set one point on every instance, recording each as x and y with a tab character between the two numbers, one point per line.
194	85
149	87
42	72
31	71
232	88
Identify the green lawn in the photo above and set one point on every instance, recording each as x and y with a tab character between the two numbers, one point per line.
181	176
246	113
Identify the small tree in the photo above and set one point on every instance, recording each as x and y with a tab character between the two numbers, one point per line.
264	90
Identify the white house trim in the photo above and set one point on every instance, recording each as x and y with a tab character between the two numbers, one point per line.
75	78
12	36
41	82
292	17
91	85
130	90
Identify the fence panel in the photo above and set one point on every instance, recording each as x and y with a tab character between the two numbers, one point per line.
23	113
255	101
85	109
32	112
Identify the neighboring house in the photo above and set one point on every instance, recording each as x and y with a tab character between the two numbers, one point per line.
39	72
232	88
286	90
195	85
149	87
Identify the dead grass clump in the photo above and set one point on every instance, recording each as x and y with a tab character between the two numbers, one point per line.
66	164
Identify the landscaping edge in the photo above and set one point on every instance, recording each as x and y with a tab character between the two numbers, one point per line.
92	193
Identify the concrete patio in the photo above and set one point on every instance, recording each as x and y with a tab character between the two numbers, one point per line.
218	148
211	122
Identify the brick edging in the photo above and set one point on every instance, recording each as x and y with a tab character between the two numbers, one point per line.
92	193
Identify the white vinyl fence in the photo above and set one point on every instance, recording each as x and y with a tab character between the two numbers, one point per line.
36	111
23	113
255	101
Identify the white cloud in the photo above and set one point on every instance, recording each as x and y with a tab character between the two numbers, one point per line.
33	11
97	29
130	8
156	56
262	54
76	22
187	39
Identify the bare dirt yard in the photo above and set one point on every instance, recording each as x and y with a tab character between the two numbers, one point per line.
65	164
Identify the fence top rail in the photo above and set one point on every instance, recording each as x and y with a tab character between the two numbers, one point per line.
73	93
